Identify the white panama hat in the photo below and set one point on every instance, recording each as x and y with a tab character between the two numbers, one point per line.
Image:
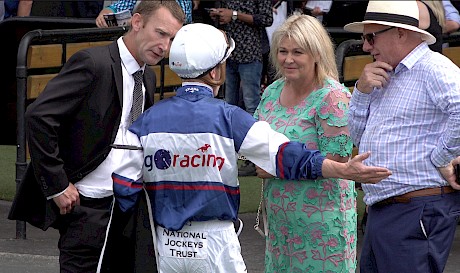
395	13
197	48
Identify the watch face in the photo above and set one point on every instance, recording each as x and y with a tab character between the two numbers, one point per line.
234	15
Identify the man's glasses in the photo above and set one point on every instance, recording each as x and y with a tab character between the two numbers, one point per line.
370	36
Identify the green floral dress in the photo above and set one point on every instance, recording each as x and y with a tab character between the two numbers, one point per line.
311	223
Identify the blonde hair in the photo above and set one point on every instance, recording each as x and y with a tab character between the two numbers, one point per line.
438	10
312	37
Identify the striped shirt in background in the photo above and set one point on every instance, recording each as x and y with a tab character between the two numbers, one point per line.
121	5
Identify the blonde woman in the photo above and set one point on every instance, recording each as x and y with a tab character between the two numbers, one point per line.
311	223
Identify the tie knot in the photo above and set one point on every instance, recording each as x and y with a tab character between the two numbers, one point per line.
138	75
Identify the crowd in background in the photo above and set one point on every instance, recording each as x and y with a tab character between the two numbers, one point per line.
338	14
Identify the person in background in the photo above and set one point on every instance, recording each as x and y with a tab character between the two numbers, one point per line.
432	19
122	5
201	12
186	160
308	104
71	129
343	12
72	9
244	21
13	8
316	9
268	71
413	130
452	17
2	10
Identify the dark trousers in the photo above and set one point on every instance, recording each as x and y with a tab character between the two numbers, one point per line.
410	237
130	243
129	246
82	235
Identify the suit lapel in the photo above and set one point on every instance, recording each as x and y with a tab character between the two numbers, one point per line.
116	68
150	85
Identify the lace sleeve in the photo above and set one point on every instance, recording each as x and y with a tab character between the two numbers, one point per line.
333	134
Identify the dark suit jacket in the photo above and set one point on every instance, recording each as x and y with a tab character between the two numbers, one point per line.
70	128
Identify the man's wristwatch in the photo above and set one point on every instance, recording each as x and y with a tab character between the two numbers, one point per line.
234	15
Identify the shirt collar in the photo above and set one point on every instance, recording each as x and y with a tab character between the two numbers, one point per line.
197	83
127	59
195	89
412	58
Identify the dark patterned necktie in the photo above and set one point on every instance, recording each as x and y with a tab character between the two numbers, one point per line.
138	97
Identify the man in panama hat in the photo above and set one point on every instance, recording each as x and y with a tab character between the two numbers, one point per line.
405	109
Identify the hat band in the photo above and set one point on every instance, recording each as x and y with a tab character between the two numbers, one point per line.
391	18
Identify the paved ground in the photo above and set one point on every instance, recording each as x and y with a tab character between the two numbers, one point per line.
38	253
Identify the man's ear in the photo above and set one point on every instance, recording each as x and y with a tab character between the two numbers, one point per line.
136	21
213	73
402	33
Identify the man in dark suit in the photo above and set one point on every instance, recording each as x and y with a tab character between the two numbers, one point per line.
72	128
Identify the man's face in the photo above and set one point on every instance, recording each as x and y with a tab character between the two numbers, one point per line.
155	34
381	43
